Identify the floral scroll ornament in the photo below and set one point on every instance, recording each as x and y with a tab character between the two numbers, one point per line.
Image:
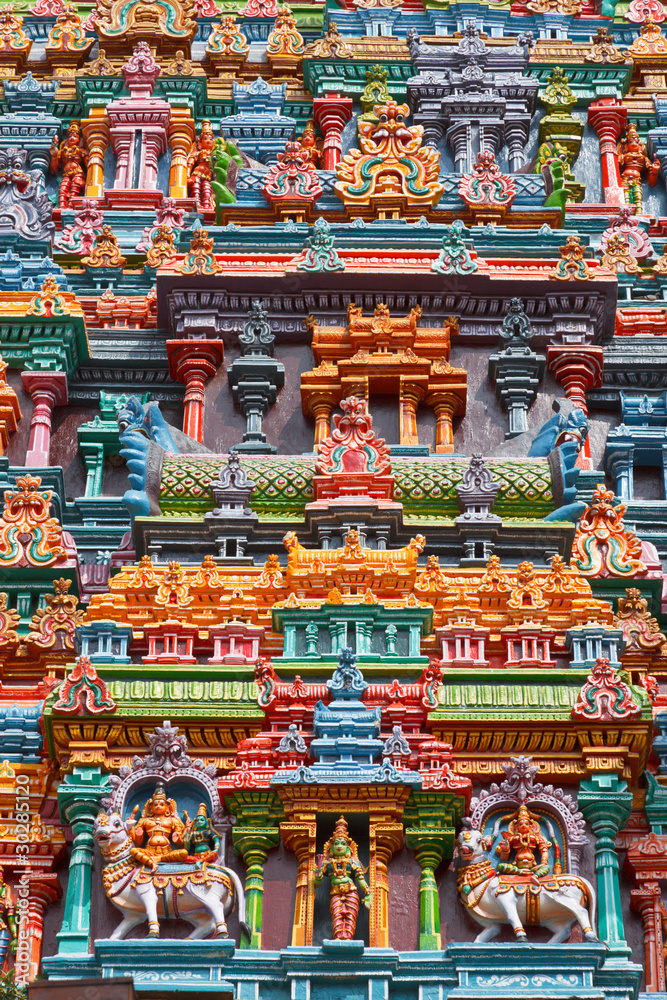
571	266
162	248
353	446
605	697
84	692
80	236
28	535
285	42
53	627
392	167
48	301
487	192
602	546
106	252
319	253
618	257
201	259
454	257
293	179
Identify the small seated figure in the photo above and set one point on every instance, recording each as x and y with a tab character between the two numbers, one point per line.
523	837
162	829
340	863
200	171
201	839
72	158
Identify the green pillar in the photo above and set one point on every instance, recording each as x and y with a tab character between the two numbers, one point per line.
93	457
605	802
430	819
79	798
258	812
254	845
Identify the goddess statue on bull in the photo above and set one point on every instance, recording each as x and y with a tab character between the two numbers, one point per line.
524	889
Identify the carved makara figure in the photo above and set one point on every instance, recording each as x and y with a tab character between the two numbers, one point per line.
529	896
71	156
340	863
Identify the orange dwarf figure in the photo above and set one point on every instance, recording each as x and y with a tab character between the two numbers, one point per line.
634	162
72	158
200	172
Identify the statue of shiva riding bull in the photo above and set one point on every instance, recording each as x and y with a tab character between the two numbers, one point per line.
160	866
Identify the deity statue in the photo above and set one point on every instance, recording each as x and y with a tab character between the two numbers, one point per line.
7	921
310	144
200	171
340	863
161	827
634	162
72	158
201	839
523	838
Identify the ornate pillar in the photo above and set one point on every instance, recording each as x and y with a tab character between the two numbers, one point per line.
619	461
258	811
254	844
321	409
606	803
180	134
385	839
47	389
96	133
300	837
44	889
331	113
408	402
79	798
93	458
646	900
578	369
608	116
444	406
430	819
194	362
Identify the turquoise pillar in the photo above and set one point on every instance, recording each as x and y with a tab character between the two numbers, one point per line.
605	802
79	800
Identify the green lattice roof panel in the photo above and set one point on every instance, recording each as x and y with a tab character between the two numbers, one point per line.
426	487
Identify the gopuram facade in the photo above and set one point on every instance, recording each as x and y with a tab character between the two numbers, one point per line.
333	500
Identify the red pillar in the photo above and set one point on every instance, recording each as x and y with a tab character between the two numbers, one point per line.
608	116
331	113
48	389
44	889
578	368
194	362
646	900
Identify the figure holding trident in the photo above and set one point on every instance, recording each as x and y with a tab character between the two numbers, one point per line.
340	863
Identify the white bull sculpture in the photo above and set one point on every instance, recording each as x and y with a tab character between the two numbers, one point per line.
201	895
494	900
